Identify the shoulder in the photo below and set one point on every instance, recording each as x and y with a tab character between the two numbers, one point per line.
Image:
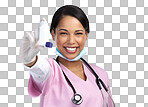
101	73
98	69
53	64
51	61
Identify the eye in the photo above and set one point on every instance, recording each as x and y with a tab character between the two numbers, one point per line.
63	33
79	33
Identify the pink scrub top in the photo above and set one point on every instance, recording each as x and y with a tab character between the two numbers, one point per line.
56	91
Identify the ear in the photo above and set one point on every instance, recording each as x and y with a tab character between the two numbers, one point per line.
53	35
86	35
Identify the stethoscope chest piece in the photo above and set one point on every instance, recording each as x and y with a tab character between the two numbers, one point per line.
77	99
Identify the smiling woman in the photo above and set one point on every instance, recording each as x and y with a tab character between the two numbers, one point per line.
70	40
68	81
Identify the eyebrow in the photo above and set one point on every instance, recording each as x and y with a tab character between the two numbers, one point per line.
63	29
67	30
79	30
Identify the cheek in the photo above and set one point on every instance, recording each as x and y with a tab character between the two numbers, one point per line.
81	40
60	41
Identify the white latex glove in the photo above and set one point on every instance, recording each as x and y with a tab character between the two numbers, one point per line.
29	47
33	42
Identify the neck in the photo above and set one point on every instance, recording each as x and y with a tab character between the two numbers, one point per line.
74	66
70	64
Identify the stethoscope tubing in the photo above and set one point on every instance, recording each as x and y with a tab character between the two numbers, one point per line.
98	81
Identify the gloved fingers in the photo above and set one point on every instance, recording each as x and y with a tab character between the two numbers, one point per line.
36	35
27	54
30	38
32	52
29	46
43	19
24	45
27	36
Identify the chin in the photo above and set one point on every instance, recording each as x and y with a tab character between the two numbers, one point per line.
71	56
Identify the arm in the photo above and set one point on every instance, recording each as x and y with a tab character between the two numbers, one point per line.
39	69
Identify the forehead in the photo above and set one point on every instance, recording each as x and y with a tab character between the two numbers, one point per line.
69	22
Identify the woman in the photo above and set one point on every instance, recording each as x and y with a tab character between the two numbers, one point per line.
67	81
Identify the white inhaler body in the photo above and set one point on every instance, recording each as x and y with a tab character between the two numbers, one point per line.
44	34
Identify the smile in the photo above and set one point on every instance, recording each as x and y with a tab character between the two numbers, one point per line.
71	50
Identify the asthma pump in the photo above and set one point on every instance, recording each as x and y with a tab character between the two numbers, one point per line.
44	34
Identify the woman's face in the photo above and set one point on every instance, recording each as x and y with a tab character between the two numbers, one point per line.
70	36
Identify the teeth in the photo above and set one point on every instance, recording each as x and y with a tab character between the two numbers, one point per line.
71	49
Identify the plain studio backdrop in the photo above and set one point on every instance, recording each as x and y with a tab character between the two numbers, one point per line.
118	42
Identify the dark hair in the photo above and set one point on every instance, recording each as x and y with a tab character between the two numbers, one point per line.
69	10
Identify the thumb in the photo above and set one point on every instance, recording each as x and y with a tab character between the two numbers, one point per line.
38	46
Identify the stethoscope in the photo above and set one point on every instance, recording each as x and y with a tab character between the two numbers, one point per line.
77	98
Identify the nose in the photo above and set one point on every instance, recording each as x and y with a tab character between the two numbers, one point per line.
71	39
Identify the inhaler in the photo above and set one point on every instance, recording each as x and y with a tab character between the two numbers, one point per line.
44	34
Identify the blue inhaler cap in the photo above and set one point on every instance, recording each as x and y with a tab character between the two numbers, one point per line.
49	44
